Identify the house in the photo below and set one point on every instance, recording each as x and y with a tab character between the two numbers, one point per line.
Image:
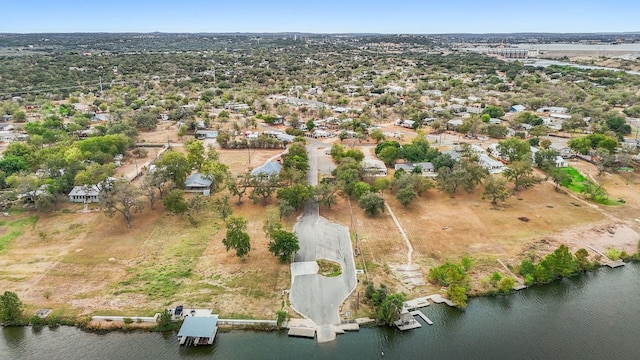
405	123
285	138
454	123
198	183
320	134
456	108
561	162
196	330
428	120
492	165
395	89
206	134
269	169
237	107
517	108
426	168
553	109
84	194
565	152
373	167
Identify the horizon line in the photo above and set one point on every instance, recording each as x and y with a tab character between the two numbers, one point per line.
636	32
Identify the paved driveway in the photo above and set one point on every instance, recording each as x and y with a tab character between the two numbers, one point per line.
314	296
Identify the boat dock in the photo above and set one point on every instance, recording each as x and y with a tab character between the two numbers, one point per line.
426	301
422	315
615	264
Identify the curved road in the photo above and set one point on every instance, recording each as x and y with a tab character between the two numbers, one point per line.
314	296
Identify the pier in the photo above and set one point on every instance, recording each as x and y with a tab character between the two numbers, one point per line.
422	315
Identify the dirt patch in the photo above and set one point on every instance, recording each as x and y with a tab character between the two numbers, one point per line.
598	238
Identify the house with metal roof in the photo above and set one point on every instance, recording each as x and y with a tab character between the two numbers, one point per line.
270	168
197	330
84	194
426	168
518	108
198	183
374	167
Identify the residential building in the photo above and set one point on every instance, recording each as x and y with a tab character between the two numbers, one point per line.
269	169
373	167
84	194
518	108
426	168
198	183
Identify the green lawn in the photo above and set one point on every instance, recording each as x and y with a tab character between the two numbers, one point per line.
575	182
13	229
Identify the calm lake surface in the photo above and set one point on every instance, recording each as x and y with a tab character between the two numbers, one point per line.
595	316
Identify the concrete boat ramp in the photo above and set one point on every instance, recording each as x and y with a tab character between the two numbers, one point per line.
308	329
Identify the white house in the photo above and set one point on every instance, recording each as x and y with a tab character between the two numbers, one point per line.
427	168
561	162
492	165
373	167
84	194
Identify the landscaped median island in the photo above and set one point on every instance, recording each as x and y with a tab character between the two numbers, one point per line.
329	268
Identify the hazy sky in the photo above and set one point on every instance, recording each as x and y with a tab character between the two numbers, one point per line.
324	16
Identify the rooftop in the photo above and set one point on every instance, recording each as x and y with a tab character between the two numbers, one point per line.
198	326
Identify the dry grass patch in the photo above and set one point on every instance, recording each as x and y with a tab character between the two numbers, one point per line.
238	159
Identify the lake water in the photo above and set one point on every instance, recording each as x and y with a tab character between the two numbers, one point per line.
594	316
631	48
547	62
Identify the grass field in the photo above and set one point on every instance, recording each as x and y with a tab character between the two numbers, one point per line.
11	229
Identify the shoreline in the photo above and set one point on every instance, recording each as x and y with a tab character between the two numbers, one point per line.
85	323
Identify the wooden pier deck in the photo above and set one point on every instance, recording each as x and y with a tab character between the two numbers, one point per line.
408	325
